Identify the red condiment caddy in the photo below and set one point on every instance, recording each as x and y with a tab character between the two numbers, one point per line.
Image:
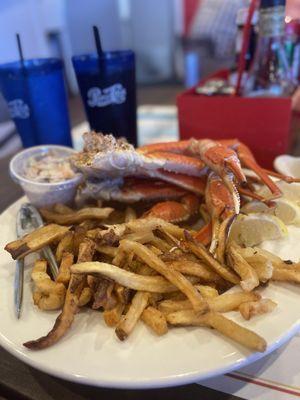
266	125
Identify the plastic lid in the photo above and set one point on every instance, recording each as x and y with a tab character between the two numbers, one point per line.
271	3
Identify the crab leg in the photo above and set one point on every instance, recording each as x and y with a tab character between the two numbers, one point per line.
248	160
286	178
221	204
173	211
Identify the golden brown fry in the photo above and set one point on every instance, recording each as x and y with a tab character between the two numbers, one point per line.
249	278
196	269
66	317
222	324
252	308
65	245
130	214
64	273
107	250
35	240
129	321
112	317
207	292
153	318
47	295
156	284
123	294
200	251
78	238
259	261
85	297
170	274
162	245
141	236
77	216
286	275
62	209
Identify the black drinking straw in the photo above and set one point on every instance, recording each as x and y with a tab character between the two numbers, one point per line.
20	50
97	41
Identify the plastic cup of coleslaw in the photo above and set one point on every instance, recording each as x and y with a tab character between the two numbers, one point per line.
45	190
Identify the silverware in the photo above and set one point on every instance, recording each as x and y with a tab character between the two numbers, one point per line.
28	219
23	227
47	253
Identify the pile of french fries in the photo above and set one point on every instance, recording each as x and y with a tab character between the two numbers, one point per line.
145	269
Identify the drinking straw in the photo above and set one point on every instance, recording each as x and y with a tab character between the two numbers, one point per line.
97	41
246	38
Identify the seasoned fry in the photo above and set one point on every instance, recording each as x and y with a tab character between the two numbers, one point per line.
129	321
65	319
157	284
65	245
196	269
156	321
112	317
64	273
252	308
47	295
76	216
222	324
36	240
243	269
130	214
200	251
62	209
170	274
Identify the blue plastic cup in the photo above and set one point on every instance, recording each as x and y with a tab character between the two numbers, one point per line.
37	101
108	91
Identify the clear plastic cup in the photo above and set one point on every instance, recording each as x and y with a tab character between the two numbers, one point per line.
43	194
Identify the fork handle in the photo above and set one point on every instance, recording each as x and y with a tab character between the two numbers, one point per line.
18	287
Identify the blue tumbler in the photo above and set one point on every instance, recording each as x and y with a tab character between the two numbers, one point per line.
108	91
37	101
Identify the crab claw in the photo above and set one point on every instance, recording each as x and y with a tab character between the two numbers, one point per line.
233	164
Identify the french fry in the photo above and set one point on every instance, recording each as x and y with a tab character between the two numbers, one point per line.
64	273
130	214
123	294
85	297
141	236
36	240
249	278
65	245
260	262
252	308
170	274
196	269
112	317
156	284
156	321
78	238
286	275
62	209
207	292
200	251
222	324
76	216
103	295
129	321
66	317
160	244
107	250
223	303
47	295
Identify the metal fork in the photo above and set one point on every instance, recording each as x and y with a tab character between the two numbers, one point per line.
28	219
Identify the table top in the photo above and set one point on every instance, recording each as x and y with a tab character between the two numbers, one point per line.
19	381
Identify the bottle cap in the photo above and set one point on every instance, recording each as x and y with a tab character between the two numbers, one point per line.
271	3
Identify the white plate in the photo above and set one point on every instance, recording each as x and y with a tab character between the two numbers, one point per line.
90	353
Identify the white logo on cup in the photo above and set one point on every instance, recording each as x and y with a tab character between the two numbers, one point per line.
18	109
115	94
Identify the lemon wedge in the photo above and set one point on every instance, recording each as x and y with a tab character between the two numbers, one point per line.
252	229
286	210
